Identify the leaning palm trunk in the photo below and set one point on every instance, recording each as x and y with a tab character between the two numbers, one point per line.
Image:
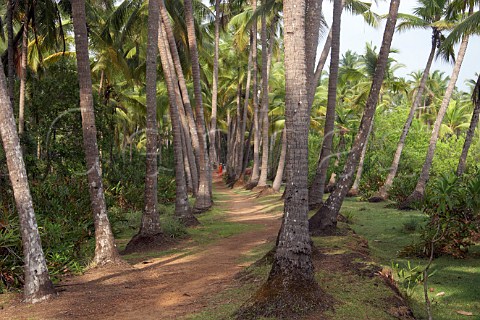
316	189
281	163
325	220
213	122
23	77
243	127
181	82
471	130
383	192
37	286
183	211
353	192
10	50
105	249
419	191
262	181
204	197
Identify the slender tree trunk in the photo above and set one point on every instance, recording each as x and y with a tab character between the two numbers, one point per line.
256	119
240	155
237	138
11	51
419	191
213	122
23	76
471	130
183	212
353	192
186	163
38	286
317	187
383	192
313	19
281	163
150	224
105	249
262	182
181	82
325	220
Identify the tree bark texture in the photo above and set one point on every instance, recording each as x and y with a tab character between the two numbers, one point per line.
204	197
262	181
183	211
23	76
316	190
105	249
325	220
471	130
38	286
256	117
150	224
281	163
213	120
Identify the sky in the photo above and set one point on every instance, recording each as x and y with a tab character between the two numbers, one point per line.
414	46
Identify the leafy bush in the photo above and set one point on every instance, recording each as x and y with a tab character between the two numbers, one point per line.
453	207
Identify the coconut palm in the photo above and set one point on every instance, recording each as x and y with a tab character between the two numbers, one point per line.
427	13
325	220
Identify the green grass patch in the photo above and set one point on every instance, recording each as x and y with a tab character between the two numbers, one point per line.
388	231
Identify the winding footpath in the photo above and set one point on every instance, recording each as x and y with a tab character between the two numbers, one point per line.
169	287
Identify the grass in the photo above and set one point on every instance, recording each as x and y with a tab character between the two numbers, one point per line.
389	230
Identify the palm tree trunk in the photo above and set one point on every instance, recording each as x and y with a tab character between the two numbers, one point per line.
38	286
317	187
383	192
239	170
186	163
262	181
292	271
183	211
23	76
150	224
204	197
353	192
419	191
256	119
313	19
105	249
325	220
213	120
471	130
11	51
281	163
181	81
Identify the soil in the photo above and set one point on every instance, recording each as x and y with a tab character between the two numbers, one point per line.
162	288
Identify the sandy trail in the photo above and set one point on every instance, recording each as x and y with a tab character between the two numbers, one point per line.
162	288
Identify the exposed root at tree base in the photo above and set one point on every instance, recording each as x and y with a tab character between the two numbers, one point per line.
264	191
376	199
189	221
352	193
411	202
251	185
283	298
143	243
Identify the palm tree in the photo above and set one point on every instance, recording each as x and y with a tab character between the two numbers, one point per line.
213	122
419	192
316	188
105	249
262	181
281	163
429	12
37	286
471	130
291	281
182	207
204	196
10	50
325	220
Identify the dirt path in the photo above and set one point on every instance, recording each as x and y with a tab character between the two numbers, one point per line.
165	288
